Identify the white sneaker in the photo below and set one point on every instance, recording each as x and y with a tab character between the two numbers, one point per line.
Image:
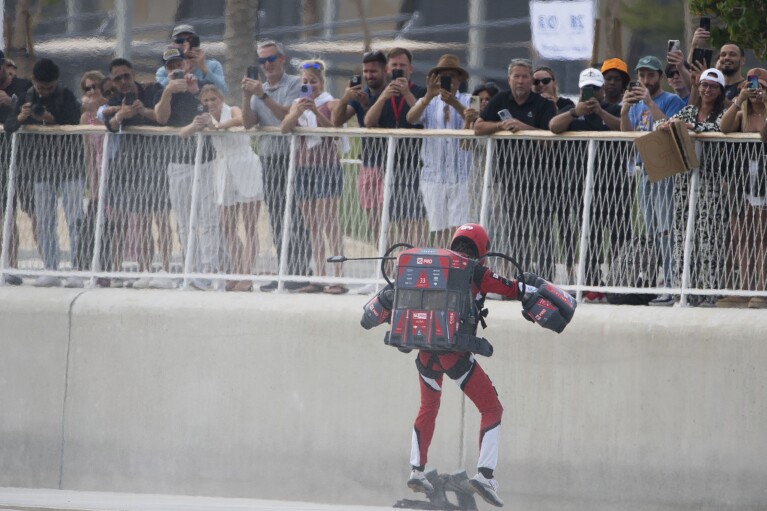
73	282
418	482
486	488
163	280
142	283
369	289
46	281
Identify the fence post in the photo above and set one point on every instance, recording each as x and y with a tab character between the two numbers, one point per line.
287	217
391	147
191	237
484	205
588	193
8	218
692	190
100	212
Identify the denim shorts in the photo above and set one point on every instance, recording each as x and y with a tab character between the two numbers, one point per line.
319	182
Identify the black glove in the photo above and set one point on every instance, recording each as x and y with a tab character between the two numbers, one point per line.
546	304
378	310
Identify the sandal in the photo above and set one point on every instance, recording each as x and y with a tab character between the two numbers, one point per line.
335	289
310	288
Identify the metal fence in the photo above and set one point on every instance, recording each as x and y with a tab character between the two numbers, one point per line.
149	208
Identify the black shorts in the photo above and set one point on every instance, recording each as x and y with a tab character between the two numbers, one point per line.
406	202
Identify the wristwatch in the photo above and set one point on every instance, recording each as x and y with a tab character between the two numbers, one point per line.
264	96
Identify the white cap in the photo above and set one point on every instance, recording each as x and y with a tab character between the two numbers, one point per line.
712	75
591	76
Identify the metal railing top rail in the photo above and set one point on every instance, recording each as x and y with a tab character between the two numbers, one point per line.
386	132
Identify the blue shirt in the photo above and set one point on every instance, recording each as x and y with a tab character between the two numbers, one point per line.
641	119
215	76
444	160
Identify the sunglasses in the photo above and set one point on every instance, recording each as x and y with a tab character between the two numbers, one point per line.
107	93
182	40
264	60
311	65
544	81
89	88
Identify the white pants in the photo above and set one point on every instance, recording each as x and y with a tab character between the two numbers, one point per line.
207	226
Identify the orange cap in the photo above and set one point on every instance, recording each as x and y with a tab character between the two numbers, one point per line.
615	64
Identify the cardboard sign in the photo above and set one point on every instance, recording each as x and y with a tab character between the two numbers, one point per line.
666	153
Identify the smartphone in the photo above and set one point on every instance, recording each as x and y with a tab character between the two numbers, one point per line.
253	72
505	115
203	109
474	103
705	23
703	55
753	82
194	42
587	92
674	45
397	73
355	80
633	85
306	90
130	98
177	74
446	83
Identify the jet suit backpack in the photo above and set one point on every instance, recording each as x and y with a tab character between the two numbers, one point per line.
433	307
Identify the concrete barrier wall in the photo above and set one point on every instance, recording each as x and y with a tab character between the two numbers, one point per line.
286	397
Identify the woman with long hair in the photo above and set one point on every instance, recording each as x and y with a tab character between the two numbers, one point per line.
239	185
748	222
319	176
707	268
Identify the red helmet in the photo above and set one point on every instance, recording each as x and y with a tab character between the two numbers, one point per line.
474	233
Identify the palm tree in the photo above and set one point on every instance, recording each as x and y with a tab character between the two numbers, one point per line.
239	38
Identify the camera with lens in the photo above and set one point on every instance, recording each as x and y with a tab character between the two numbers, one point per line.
38	109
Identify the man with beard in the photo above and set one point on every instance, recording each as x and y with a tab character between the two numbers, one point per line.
642	106
356	101
730	61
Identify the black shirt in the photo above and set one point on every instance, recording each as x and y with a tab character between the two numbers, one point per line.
373	148
184	107
394	115
519	163
17	87
593	122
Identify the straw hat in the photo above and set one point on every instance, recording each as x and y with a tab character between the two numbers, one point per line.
449	62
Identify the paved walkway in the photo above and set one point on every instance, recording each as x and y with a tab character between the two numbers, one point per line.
44	499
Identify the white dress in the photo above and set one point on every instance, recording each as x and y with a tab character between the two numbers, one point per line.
238	169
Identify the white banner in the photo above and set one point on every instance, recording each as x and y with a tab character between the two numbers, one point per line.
562	30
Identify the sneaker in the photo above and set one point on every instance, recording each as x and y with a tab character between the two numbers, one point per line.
295	286
163	280
733	302
271	286
117	283
103	282
73	282
12	280
758	302
142	283
419	483
201	284
368	289
487	489
664	300
594	297
46	281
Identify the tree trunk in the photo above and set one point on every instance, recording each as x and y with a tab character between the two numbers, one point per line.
19	43
239	39
310	15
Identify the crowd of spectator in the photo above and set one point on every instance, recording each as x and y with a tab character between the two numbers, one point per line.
436	181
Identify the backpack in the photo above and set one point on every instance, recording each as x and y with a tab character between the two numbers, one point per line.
634	264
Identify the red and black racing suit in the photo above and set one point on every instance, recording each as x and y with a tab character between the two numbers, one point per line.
467	373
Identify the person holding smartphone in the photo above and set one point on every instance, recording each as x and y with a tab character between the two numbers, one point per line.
266	102
205	70
356	100
406	210
520	171
444	176
644	103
